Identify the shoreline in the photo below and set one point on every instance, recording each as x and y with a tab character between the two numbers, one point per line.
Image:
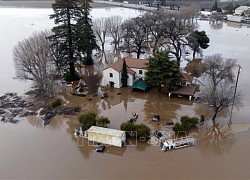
45	4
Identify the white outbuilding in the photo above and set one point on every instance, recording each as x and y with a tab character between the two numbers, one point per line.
106	136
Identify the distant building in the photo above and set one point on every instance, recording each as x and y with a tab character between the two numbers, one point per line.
238	11
136	69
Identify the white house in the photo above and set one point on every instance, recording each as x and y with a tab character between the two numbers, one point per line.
106	136
238	11
135	67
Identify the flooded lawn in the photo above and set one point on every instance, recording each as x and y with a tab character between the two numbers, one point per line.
30	150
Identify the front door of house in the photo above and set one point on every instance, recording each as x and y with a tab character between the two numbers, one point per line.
111	83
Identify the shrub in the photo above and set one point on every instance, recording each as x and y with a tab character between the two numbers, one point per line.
102	121
177	128
202	118
87	120
56	102
141	129
187	123
128	127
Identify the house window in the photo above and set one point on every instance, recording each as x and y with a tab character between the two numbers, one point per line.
110	74
140	71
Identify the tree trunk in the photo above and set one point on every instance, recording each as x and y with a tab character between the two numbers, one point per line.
178	59
138	53
214	116
194	52
103	53
71	54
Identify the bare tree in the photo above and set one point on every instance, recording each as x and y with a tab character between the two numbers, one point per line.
154	22
34	61
100	27
135	35
191	11
178	27
219	83
92	79
215	137
114	30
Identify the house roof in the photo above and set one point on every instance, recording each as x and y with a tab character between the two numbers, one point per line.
131	63
186	77
243	8
106	131
184	90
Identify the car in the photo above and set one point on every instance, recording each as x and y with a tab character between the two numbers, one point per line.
100	148
170	123
125	2
158	134
156	118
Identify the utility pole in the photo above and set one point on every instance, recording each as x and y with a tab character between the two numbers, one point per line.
236	85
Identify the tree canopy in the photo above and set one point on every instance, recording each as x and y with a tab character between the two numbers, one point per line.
162	72
73	36
198	40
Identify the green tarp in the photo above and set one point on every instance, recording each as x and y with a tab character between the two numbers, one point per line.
140	85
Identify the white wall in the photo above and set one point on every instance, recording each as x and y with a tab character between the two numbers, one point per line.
130	80
116	77
137	75
106	139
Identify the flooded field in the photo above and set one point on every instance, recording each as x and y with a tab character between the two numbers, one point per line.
30	150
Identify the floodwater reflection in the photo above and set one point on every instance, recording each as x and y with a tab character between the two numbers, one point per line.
215	138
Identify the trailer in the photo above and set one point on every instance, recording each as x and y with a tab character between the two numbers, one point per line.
177	143
106	136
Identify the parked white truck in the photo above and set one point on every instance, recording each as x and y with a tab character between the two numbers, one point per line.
177	143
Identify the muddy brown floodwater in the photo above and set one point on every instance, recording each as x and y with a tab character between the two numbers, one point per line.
30	150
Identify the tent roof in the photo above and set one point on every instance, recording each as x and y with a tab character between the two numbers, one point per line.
140	85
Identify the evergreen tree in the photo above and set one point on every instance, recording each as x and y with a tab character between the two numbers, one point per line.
124	78
198	40
215	6
73	36
162	72
86	41
66	13
230	7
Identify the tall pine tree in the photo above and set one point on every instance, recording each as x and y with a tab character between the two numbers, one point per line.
124	74
66	13
162	72
86	41
72	34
